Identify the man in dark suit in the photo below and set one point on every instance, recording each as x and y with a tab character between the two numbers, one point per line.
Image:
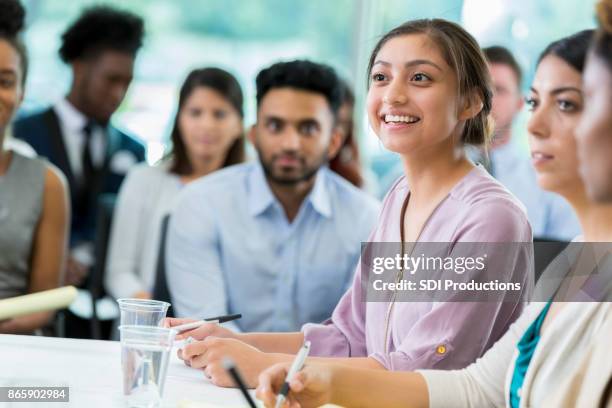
76	135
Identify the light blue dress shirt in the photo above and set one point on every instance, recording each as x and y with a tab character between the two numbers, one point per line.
231	249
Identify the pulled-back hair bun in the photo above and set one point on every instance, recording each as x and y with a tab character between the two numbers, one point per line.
12	15
604	15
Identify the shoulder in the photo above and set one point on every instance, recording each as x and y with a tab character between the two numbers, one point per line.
479	189
143	173
219	187
348	195
223	180
23	126
55	181
31	117
131	142
488	207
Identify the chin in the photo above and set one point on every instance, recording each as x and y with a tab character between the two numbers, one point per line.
395	145
548	182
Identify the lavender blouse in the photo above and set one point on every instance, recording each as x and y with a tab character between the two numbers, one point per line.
441	335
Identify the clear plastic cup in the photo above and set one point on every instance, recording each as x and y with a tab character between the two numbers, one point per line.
145	352
142	312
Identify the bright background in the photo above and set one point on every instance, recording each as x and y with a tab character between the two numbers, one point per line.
244	36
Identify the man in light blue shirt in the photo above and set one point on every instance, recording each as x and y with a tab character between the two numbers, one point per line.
276	240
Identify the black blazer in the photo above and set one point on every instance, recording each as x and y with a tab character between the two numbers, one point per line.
42	131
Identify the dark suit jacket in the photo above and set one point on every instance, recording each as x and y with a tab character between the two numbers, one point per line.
42	131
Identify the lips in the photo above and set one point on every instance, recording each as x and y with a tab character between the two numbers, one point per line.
540	158
287	161
398	120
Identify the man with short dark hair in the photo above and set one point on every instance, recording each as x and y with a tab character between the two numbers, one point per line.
75	134
551	217
278	239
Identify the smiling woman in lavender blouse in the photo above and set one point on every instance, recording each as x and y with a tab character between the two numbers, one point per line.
429	95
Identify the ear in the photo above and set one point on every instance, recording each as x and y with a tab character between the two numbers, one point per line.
520	103
335	143
471	106
239	129
251	134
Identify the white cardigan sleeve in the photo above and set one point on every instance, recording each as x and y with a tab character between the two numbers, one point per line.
122	278
481	384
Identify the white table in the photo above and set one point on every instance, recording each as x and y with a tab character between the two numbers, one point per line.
92	370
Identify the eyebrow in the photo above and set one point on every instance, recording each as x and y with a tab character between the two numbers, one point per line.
298	121
411	64
562	89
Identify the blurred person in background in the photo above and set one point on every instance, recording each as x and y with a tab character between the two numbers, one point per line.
207	135
346	163
276	239
76	133
34	214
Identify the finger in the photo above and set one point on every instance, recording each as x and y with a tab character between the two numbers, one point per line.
202	332
194	349
264	390
298	382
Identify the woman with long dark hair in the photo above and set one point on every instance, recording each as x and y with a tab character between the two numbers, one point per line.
207	135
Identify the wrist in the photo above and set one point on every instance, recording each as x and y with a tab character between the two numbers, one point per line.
335	392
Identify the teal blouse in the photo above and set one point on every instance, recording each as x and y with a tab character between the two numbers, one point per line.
526	348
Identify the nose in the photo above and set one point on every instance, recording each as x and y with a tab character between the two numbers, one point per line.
395	94
290	140
207	120
538	124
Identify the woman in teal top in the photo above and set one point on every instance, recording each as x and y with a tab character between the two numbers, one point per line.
526	348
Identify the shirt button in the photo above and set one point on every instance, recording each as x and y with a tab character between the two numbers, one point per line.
441	349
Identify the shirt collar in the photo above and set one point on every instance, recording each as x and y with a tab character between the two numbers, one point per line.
260	197
70	116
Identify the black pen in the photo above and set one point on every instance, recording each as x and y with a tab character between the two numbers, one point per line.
231	368
218	320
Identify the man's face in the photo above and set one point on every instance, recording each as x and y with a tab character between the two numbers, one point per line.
295	134
104	81
507	99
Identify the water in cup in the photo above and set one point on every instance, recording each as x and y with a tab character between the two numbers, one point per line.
145	353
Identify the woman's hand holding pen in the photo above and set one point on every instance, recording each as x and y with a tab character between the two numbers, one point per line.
200	333
310	387
209	353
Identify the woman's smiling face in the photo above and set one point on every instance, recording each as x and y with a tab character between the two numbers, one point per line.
412	98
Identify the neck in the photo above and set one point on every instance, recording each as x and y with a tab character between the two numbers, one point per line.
436	171
201	167
74	100
78	104
502	137
4	156
291	196
595	219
